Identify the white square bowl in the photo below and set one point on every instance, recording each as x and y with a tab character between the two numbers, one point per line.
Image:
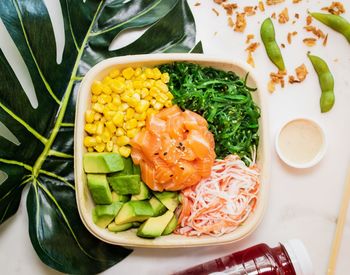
129	238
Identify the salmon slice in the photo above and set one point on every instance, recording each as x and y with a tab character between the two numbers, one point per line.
198	144
175	126
193	121
156	125
166	113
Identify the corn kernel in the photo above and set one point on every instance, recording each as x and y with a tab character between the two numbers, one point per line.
123	107
168	104
111	127
97	116
117	86
154	91
114	73
158	106
169	95
104	99
141	116
119	132
89	116
96	87
113	107
150	112
125	97
162	86
115	148
94	98
142	106
90	141
130	124
106	136
123	140
120	79
165	77
128	72
90	149
124	151
107	80
142	77
141	124
148	98
138	71
109	146
144	92
106	89
137	84
97	107
162	98
100	147
132	133
114	139
129	85
98	139
103	120
99	128
136	96
129	114
149	73
156	73
153	101
118	118
90	128
116	100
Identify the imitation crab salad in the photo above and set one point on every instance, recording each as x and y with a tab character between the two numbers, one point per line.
172	150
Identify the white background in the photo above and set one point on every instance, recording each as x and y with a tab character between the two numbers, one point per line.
303	203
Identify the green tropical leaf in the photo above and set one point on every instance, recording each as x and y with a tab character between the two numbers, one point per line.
41	157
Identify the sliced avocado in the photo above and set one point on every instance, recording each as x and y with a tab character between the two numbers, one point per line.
136	224
157	207
121	198
103	215
136	170
99	188
121	227
128	168
169	199
155	226
134	211
125	184
100	163
171	226
144	193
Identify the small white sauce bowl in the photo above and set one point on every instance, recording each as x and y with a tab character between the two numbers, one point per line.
321	152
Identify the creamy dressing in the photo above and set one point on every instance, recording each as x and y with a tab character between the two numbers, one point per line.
300	141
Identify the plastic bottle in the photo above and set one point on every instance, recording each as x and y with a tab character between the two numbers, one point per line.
288	258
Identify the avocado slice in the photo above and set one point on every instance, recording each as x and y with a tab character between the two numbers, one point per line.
99	188
125	184
169	199
144	193
121	227
121	198
155	226
134	211
136	170
136	224
128	168
157	207
103	215
171	226
100	163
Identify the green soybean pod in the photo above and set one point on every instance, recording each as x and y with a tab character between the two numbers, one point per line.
326	80
267	33
336	22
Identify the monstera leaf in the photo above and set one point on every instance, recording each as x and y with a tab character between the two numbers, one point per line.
42	155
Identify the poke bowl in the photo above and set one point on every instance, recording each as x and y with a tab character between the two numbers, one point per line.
85	200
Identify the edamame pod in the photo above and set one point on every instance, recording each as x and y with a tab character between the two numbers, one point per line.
267	33
326	80
336	22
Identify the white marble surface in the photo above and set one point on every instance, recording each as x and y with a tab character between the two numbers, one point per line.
302	204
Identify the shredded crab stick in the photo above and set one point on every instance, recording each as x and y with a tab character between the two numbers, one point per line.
219	204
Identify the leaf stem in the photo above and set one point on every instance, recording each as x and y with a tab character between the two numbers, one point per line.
18	163
60	154
39	162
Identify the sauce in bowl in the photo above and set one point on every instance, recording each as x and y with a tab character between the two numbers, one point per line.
301	143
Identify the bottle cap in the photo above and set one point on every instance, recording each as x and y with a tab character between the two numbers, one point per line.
299	256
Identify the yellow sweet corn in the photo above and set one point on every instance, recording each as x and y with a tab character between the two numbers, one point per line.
121	102
128	73
125	151
96	87
123	140
89	116
90	141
